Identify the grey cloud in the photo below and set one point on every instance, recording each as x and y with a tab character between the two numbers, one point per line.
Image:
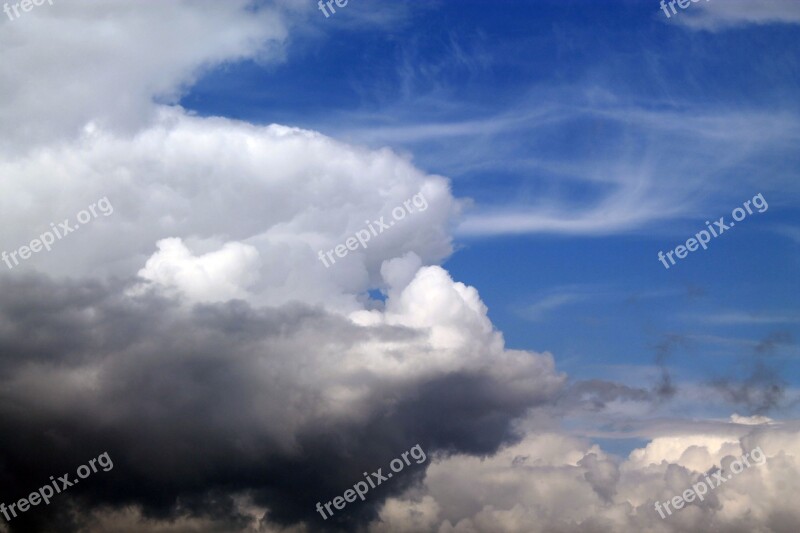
595	394
762	388
196	407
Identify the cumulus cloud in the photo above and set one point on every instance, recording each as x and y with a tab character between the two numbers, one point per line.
221	275
74	62
197	405
550	482
285	192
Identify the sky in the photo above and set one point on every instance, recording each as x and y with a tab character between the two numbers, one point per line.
528	321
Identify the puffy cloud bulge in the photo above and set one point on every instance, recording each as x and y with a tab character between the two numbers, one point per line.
218	209
551	482
195	335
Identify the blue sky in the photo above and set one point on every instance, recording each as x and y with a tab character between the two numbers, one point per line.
519	327
590	136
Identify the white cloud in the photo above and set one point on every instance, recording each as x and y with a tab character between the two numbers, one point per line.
717	15
550	302
549	482
739	317
216	276
79	61
287	193
633	183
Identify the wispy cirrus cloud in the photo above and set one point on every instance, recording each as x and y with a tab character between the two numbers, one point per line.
792	232
716	16
539	310
732	318
632	182
622	182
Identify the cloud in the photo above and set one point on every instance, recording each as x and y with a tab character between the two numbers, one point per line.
629	188
235	381
59	79
617	213
216	276
199	405
738	317
718	16
549	482
556	298
596	395
617	183
764	387
788	231
537	311
283	192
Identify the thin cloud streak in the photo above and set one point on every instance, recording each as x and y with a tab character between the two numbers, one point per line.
719	16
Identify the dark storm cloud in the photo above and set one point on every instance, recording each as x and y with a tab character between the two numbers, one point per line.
762	388
595	394
772	341
197	406
664	388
